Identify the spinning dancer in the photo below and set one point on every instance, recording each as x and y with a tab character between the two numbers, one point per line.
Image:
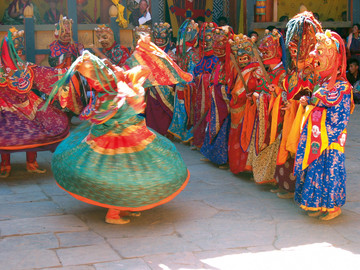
113	160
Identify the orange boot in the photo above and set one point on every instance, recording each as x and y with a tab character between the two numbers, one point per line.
114	216
5	167
31	163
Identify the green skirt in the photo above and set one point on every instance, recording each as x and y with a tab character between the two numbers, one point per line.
134	170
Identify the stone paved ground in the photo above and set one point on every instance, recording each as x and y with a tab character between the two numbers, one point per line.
220	221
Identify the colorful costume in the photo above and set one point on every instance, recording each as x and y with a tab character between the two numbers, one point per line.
114	52
113	160
300	41
320	159
202	72
22	126
264	143
215	147
188	57
160	99
242	109
63	50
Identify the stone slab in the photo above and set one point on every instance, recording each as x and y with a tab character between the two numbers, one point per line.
77	267
64	223
31	209
23	197
138	247
87	255
29	242
128	264
28	259
85	238
181	260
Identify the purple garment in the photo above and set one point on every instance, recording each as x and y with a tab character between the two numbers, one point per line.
158	114
22	125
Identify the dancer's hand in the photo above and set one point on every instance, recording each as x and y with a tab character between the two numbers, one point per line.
304	101
272	87
286	106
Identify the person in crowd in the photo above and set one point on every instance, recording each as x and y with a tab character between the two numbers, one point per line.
83	16
283	19
52	15
115	53
200	21
254	36
320	159
353	75
222	21
23	126
14	14
353	42
343	31
188	56
316	16
215	146
160	99
299	81
63	50
141	15
202	73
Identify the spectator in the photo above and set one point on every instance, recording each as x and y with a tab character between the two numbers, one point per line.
356	92
330	28
14	14
316	16
255	35
352	74
222	21
270	28
52	15
200	20
141	15
353	42
284	19
82	15
343	32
